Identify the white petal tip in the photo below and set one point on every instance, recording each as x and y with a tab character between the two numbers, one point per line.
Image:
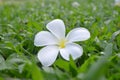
78	34
48	55
56	27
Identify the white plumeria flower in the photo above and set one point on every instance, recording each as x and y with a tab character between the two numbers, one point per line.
55	42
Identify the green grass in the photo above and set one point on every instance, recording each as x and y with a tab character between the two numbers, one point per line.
20	21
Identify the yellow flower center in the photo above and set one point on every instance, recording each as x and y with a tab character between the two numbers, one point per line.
62	43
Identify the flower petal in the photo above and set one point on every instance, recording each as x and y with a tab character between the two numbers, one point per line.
44	38
72	49
78	34
48	55
57	27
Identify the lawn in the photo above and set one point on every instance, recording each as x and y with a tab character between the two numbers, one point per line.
21	20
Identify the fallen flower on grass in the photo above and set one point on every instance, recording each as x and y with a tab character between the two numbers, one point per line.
56	42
